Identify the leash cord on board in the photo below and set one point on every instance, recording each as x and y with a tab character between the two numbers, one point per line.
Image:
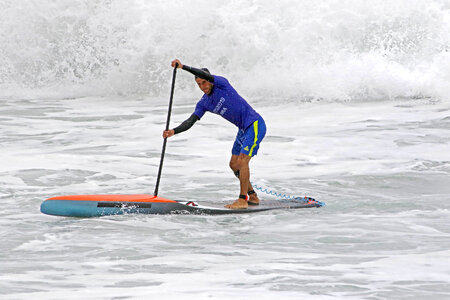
273	193
282	196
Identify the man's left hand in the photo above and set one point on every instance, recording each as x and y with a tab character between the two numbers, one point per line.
168	133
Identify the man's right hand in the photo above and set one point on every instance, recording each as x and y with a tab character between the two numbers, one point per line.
168	133
175	62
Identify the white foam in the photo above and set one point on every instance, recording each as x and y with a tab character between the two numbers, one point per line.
295	50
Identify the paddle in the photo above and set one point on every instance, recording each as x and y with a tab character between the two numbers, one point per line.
167	128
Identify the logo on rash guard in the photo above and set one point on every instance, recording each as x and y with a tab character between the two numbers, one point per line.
219	105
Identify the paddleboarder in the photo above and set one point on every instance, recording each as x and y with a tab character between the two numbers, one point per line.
222	99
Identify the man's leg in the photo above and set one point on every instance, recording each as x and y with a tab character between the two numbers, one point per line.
244	172
242	163
245	146
234	165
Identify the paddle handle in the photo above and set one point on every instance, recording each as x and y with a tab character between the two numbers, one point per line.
174	75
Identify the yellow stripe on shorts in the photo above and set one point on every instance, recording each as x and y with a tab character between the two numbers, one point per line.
255	128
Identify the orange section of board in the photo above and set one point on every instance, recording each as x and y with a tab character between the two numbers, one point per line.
113	198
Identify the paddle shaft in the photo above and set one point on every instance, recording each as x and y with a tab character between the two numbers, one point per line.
167	128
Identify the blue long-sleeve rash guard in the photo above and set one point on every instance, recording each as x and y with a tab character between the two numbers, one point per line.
223	100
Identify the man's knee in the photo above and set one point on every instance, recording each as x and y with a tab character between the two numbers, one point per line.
243	160
234	163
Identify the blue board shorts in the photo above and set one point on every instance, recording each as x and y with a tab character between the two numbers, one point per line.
248	140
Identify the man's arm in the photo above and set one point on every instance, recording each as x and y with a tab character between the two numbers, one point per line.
182	127
186	124
197	72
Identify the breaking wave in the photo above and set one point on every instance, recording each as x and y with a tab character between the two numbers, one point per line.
335	50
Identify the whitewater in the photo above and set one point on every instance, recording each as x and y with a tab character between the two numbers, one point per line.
355	95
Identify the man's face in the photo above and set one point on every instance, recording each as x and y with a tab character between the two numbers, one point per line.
204	85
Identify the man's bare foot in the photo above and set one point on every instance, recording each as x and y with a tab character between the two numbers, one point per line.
238	204
253	199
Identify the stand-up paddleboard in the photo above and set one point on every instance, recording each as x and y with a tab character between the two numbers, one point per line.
104	205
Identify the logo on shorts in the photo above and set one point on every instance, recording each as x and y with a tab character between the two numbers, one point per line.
246	148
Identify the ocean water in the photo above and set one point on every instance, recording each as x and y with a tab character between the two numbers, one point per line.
356	98
382	168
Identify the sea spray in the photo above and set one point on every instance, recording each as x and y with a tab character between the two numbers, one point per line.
301	50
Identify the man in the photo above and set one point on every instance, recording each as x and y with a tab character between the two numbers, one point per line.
222	99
